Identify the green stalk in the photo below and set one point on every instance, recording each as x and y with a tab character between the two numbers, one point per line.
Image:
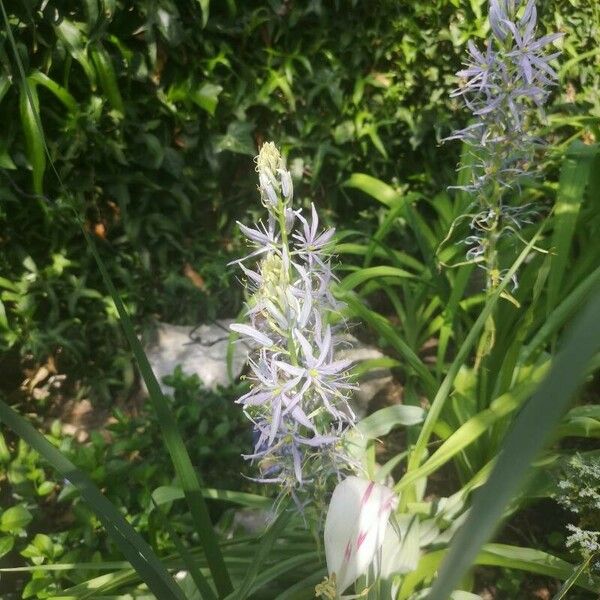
285	250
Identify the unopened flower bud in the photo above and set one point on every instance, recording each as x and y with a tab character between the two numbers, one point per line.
287	187
290	217
355	527
267	189
269	160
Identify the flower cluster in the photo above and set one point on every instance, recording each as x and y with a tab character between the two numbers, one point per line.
579	492
298	400
504	86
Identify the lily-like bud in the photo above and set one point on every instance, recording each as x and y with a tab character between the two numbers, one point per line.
355	528
267	189
290	217
287	187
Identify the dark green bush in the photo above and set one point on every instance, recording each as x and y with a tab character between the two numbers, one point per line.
152	120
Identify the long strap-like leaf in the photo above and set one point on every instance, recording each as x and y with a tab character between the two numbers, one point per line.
446	386
574	178
188	478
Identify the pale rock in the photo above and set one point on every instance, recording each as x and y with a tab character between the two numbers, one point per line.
200	350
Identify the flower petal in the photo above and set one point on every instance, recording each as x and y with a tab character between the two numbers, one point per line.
250	332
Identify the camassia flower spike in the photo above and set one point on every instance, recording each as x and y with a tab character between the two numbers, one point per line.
504	85
355	528
298	402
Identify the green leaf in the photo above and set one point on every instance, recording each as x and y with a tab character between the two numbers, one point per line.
4	451
30	117
106	74
267	541
34	136
574	177
238	139
498	555
289	565
377	189
207	96
6	544
445	387
5	83
526	559
14	519
187	475
562	593
559	316
167	493
381	422
470	431
373	364
204	7
304	588
58	90
74	41
362	275
46	488
527	436
191	564
385	329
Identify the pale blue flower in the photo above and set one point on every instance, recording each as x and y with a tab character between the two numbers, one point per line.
504	86
298	402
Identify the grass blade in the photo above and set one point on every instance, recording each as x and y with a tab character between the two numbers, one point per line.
569	583
362	275
377	189
471	430
496	555
527	436
198	578
385	329
565	310
132	545
29	105
167	493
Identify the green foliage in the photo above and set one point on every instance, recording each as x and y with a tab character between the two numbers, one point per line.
127	462
150	112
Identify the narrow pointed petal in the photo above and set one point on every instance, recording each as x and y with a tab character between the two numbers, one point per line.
250	332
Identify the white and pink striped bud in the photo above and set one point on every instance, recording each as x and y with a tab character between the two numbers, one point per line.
355	528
